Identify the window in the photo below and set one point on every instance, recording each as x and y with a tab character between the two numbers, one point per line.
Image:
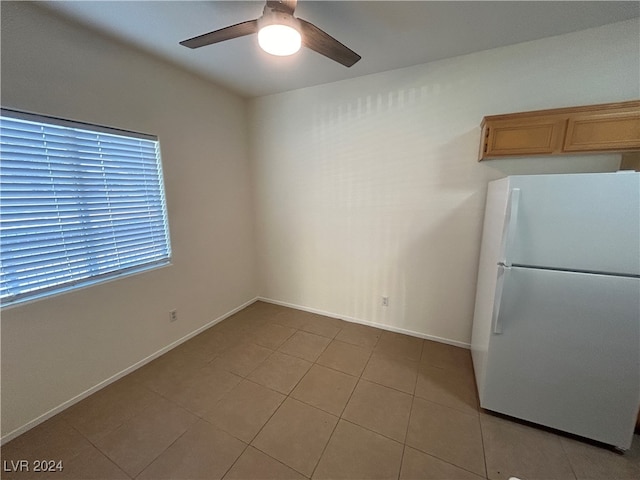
78	204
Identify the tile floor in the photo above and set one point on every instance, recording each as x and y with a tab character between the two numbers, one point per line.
275	393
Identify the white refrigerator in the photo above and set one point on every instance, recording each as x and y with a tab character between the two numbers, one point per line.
556	328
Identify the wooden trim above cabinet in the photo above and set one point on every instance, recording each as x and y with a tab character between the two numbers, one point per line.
562	131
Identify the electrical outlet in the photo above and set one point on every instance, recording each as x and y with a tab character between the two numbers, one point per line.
385	301
173	315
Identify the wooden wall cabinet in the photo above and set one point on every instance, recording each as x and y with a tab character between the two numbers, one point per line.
611	127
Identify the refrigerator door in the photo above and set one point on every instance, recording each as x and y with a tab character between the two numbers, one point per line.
582	222
566	353
490	254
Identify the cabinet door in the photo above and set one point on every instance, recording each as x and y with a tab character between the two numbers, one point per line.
603	131
533	136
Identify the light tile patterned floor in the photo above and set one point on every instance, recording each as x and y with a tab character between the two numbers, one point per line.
275	393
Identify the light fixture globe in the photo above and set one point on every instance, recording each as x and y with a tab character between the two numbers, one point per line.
278	33
280	40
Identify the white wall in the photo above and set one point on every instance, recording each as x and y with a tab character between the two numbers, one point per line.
370	186
55	349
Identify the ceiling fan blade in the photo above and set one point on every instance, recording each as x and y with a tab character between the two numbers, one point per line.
325	44
287	6
227	33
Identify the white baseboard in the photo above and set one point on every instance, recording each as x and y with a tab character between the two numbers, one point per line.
381	326
63	406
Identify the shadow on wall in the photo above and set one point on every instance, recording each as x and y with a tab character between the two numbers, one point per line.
438	264
422	251
378	192
370	170
439	269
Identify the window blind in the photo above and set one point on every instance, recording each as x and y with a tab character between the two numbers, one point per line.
78	204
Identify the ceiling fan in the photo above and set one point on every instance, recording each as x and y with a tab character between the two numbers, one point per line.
280	33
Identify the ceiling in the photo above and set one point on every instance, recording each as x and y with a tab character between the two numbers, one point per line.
387	34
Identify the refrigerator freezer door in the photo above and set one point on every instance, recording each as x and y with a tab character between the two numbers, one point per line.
567	356
583	222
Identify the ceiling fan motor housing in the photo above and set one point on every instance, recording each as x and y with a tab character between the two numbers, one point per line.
272	16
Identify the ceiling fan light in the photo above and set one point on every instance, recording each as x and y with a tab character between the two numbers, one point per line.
280	40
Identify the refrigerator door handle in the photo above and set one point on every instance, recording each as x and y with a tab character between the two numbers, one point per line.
510	226
497	300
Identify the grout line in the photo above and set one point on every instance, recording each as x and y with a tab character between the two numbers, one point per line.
324	449
69	424
336	370
368	360
395	440
568	458
123	373
262	428
267	455
286	396
108	457
236	460
359	321
406	433
404	449
415	447
448	462
359	378
340	417
169	446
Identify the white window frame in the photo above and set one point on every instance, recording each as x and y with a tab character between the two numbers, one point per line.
80	204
